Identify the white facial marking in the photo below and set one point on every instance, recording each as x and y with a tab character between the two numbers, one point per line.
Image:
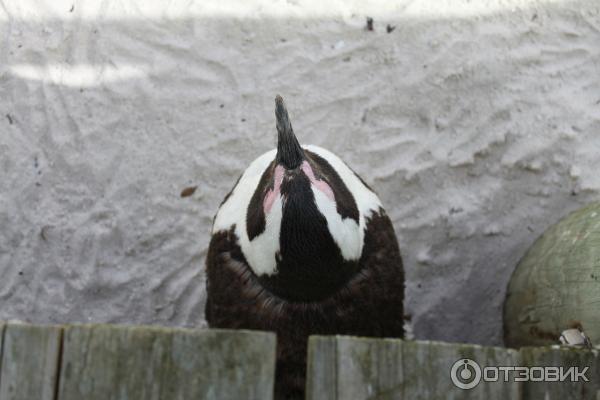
367	202
345	233
261	251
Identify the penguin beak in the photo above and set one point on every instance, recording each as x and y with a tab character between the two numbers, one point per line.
289	153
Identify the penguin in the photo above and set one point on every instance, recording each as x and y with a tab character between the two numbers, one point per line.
302	246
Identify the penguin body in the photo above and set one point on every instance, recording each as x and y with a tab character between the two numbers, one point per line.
302	246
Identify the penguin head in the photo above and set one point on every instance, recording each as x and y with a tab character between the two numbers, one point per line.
299	216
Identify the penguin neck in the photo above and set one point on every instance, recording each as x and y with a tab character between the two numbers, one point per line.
310	265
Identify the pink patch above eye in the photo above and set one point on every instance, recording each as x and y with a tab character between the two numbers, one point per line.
321	185
273	193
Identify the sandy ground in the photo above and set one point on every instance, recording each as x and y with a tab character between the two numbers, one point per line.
478	123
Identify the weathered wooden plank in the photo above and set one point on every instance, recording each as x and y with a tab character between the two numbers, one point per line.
342	367
103	362
428	368
321	377
362	368
565	357
2	326
30	359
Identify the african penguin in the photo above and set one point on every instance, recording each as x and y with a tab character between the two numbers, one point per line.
301	246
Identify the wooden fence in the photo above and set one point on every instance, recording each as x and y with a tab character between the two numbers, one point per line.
121	362
89	362
360	368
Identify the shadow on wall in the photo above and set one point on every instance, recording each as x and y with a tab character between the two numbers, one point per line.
478	130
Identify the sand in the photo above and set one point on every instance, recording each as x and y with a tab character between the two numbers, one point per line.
478	123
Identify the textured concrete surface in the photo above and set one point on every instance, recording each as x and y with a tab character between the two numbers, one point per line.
477	124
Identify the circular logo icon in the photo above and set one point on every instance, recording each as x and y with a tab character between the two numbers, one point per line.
465	374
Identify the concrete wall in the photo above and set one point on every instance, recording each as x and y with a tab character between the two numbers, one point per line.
477	124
